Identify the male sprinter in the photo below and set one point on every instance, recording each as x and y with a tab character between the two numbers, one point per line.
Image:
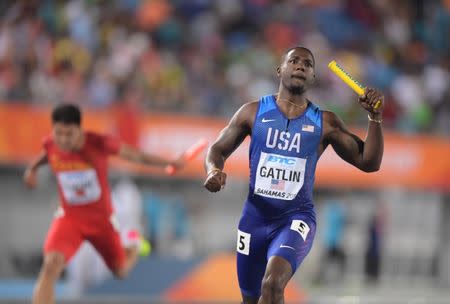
79	160
288	135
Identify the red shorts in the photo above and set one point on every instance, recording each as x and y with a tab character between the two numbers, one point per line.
66	234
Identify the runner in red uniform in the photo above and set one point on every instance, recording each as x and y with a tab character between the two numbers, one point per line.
79	160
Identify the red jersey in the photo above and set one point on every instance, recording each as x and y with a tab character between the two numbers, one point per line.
82	175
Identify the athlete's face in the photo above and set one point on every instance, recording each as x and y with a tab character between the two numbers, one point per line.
296	71
67	136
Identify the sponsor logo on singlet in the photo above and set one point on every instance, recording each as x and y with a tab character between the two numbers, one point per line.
79	186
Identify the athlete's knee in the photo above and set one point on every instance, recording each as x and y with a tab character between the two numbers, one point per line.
272	287
53	265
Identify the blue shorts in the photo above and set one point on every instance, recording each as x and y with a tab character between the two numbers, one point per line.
259	239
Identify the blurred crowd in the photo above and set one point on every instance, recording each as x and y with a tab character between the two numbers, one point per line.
208	57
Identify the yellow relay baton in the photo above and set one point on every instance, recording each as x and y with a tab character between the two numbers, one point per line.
352	83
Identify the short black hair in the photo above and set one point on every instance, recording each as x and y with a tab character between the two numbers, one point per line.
66	114
299	47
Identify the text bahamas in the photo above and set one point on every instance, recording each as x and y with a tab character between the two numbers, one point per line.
271	192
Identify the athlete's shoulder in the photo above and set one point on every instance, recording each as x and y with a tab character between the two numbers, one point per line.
245	116
315	107
47	141
93	140
245	112
332	124
249	108
314	113
94	137
330	118
106	143
263	102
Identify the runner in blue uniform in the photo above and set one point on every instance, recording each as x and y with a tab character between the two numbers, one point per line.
288	135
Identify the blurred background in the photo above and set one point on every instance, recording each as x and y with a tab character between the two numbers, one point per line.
162	73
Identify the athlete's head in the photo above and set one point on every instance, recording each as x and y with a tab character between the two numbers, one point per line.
296	70
66	120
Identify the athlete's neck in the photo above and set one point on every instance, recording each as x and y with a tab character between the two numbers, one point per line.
299	101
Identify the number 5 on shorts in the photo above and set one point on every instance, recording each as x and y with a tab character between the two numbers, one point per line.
243	242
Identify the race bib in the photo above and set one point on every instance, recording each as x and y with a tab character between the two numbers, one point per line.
243	242
80	187
279	176
300	227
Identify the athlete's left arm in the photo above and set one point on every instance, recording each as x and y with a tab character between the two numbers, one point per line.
134	155
363	154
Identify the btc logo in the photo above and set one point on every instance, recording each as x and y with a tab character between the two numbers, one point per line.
281	160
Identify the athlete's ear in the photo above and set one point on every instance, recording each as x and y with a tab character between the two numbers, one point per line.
278	71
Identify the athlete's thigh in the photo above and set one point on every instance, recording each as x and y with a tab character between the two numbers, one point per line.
106	240
293	240
251	249
64	236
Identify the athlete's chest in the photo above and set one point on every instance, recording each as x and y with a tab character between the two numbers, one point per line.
66	161
78	175
273	132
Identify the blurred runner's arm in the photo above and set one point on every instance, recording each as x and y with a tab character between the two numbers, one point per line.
134	155
29	176
189	154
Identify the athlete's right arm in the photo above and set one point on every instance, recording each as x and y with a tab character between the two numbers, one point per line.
229	139
30	175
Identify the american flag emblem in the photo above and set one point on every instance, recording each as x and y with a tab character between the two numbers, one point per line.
308	128
277	184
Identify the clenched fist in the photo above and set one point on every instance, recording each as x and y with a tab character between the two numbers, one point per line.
30	178
370	99
215	180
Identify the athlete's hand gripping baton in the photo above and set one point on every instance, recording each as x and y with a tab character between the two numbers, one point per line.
188	155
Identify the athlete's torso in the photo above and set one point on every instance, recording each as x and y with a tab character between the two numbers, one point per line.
82	176
283	156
